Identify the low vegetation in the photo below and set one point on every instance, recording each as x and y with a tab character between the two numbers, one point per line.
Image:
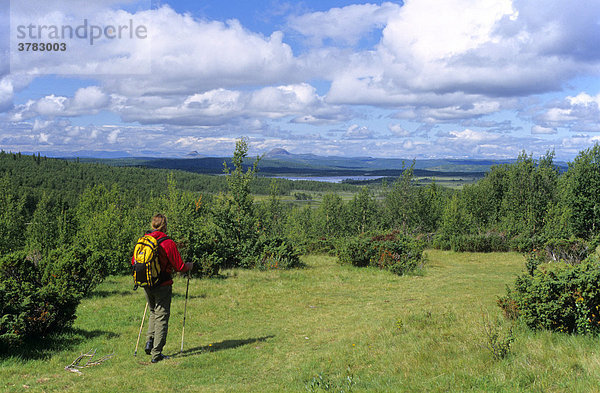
296	330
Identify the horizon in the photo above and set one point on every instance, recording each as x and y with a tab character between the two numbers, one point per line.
481	80
110	155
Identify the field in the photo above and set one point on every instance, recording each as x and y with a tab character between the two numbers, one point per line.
323	328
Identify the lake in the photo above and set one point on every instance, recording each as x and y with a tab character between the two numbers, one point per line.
328	179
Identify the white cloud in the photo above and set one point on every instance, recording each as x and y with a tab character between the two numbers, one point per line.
470	51
91	97
113	136
427	31
190	55
50	105
398	130
537	129
358	132
43	138
6	94
82	32
580	113
87	100
346	25
473	136
221	106
584	99
40	125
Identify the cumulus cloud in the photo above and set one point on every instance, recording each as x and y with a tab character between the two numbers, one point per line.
346	25
220	55
399	131
91	40
221	106
358	132
580	113
6	94
471	50
537	129
86	101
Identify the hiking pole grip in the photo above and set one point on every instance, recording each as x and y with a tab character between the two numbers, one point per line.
140	332
184	311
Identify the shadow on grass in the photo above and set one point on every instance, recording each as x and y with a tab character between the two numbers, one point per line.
104	294
220	346
182	295
46	347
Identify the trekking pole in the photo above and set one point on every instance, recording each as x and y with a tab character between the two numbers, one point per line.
140	333
184	310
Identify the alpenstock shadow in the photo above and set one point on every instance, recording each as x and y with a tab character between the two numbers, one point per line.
220	346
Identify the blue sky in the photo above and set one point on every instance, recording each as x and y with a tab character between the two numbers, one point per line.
412	79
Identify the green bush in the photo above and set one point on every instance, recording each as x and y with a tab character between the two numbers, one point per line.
534	259
320	245
392	251
278	253
399	256
356	251
206	247
572	250
75	270
487	242
524	243
558	296
36	298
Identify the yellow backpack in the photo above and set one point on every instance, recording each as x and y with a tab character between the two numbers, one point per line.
146	267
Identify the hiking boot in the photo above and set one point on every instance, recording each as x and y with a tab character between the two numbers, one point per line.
159	358
149	346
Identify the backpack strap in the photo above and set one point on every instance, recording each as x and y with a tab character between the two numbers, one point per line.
163	276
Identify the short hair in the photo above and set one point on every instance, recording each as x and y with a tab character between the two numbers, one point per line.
159	222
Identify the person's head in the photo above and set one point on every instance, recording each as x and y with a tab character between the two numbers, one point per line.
159	222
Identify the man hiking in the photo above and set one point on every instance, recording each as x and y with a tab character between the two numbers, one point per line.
158	295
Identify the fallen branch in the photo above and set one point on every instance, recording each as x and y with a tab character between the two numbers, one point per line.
75	366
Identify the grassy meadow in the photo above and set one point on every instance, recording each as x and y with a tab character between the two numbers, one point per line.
323	328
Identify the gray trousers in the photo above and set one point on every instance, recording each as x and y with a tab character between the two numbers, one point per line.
159	303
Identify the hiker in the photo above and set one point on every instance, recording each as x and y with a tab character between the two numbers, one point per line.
159	295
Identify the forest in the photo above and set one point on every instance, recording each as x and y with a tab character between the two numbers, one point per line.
66	226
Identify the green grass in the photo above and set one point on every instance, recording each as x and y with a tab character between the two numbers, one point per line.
283	330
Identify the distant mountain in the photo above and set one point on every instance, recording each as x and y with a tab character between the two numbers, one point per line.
278	152
281	162
193	154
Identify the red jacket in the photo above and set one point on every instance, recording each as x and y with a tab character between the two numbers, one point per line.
169	258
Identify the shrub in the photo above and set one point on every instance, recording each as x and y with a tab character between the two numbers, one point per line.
105	226
393	251
356	251
75	270
488	242
533	259
209	265
36	299
277	253
572	251
206	247
524	243
498	338
322	245
558	296
399	256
